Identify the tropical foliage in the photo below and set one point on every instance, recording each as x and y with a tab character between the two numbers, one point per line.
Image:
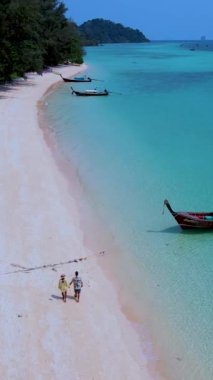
99	31
35	34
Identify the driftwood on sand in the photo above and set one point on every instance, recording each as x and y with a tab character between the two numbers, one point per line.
28	270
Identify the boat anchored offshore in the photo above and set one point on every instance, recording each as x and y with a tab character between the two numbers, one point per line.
90	92
188	219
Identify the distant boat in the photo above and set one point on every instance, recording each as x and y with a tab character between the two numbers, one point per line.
188	219
90	92
77	79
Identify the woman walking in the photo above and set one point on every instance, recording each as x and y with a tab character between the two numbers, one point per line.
63	286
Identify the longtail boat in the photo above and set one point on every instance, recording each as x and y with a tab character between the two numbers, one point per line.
90	92
77	79
189	219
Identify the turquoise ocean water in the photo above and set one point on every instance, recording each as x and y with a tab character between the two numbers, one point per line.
149	140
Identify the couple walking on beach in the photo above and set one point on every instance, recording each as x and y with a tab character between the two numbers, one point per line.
63	285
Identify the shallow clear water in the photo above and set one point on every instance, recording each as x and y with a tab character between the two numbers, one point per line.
149	140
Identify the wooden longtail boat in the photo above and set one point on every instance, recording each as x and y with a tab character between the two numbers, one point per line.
188	219
90	92
77	79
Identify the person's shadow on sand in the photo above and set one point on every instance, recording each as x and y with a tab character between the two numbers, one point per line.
60	298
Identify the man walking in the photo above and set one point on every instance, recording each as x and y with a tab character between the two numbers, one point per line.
78	284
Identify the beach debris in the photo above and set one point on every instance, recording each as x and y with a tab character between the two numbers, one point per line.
18	266
28	270
178	358
20	316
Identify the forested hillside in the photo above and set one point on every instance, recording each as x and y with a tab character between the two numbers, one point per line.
35	34
99	31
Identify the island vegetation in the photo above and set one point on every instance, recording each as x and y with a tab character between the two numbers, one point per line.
35	34
100	31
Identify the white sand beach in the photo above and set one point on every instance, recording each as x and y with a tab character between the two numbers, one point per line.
43	338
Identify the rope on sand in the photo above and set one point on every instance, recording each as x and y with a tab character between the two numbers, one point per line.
27	270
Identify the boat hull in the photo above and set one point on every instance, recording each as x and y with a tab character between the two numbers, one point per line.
79	93
77	80
192	220
187	222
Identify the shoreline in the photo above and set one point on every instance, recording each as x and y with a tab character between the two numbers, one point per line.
40	225
97	238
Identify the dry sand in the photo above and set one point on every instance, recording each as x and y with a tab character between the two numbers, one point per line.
43	338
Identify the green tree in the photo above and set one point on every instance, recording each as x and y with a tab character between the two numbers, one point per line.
61	40
34	34
20	38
